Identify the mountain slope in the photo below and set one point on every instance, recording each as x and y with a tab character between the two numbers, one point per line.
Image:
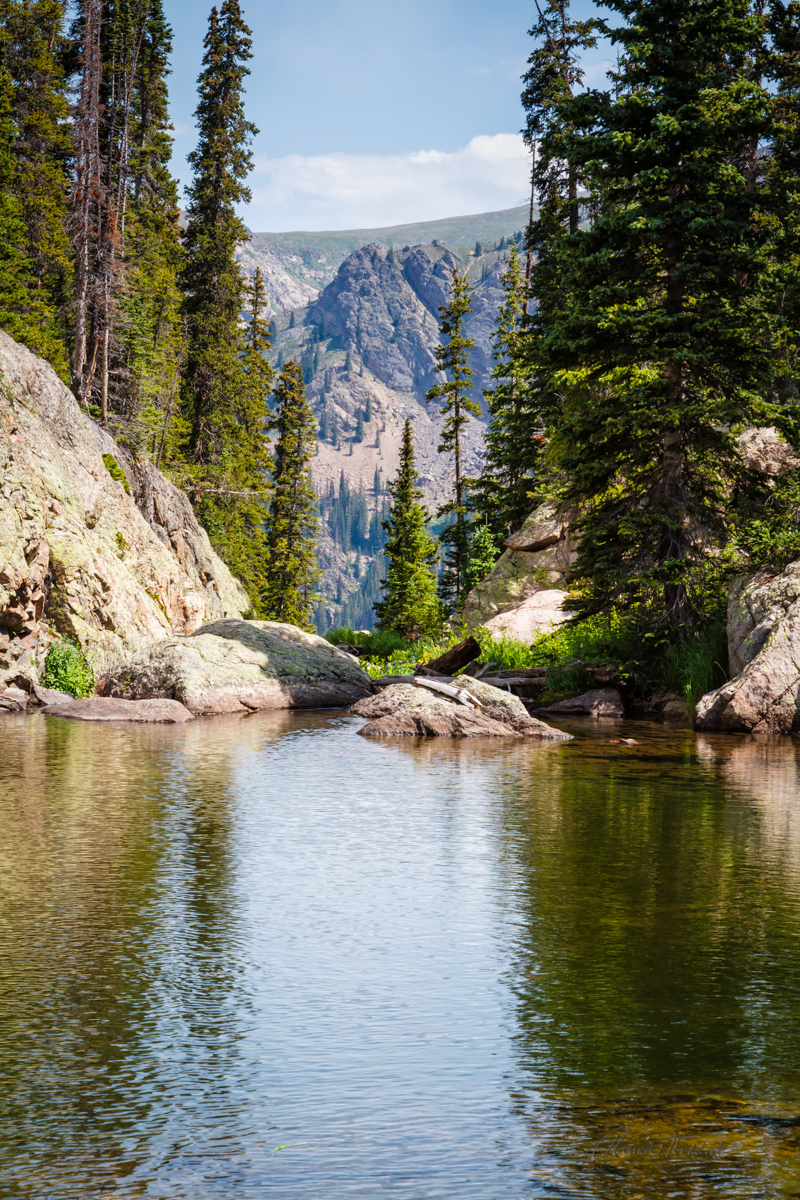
298	265
367	349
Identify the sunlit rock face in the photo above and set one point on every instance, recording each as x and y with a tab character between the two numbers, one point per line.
102	550
239	666
764	651
525	592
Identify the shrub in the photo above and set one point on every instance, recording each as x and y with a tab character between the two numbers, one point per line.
67	669
116	471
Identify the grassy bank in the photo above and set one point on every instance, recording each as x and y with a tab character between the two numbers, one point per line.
646	662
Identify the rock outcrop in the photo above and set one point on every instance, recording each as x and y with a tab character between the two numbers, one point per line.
102	708
100	549
764	651
408	710
238	666
598	702
524	594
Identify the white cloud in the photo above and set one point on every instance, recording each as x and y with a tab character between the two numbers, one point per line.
363	191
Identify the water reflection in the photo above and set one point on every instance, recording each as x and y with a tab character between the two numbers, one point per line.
119	920
657	974
427	968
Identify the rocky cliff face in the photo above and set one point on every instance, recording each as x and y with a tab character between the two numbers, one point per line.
297	266
92	545
367	350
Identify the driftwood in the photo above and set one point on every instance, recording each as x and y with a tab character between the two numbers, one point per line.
445	686
448	689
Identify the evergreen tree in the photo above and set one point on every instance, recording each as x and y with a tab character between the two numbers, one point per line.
212	279
223	444
503	495
151	334
452	359
553	76
410	605
291	573
666	347
38	174
16	275
483	554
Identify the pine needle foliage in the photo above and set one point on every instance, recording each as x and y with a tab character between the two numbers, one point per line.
410	606
666	348
504	493
212	279
291	571
452	360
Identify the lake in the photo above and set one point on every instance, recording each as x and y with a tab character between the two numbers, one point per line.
263	956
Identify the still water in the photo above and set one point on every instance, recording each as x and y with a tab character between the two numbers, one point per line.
262	956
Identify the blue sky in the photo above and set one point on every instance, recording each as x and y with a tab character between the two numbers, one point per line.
374	112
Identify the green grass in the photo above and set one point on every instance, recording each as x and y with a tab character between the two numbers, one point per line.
647	660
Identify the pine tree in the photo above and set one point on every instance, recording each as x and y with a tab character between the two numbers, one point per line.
503	495
212	279
410	605
148	355
452	358
554	74
291	573
16	275
665	347
223	445
38	175
483	554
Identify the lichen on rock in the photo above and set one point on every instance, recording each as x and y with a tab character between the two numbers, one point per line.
63	568
411	710
238	666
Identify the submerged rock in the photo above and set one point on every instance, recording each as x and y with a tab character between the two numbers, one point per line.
236	666
102	708
407	709
599	702
764	648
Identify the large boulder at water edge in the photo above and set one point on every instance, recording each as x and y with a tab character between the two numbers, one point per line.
235	666
764	650
94	545
524	593
412	710
104	708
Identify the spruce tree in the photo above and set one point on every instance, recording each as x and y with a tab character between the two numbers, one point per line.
452	359
666	348
151	333
503	494
212	279
410	605
16	275
291	571
554	74
38	173
223	443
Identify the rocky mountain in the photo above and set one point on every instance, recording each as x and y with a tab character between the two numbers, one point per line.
298	265
367	347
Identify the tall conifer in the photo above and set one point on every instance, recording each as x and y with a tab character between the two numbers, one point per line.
503	495
224	442
452	359
38	175
410	605
291	572
666	347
